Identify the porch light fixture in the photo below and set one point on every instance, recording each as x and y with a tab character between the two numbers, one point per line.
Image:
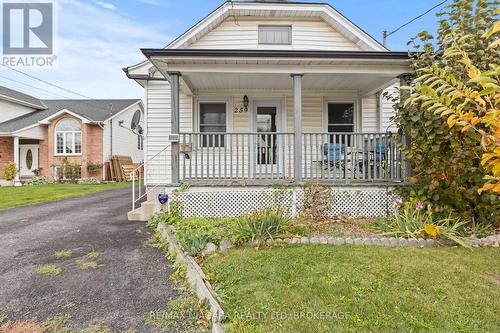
244	108
245	102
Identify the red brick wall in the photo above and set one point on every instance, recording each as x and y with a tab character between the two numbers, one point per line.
6	152
92	136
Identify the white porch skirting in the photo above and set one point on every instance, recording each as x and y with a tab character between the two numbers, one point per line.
354	201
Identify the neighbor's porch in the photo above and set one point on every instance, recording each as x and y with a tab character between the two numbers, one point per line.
248	119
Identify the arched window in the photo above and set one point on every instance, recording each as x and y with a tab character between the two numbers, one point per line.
68	137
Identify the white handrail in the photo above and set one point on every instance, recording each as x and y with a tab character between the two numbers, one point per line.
132	176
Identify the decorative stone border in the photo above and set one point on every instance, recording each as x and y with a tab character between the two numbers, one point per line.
196	278
493	241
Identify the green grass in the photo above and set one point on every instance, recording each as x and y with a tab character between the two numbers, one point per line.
376	289
51	270
26	195
63	254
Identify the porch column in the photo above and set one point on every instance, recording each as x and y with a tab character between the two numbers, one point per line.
174	89
403	81
297	108
17	182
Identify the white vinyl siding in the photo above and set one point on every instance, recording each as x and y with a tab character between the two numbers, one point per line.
243	33
125	142
10	110
388	110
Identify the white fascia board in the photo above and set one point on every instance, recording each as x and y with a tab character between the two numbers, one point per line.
58	113
18	101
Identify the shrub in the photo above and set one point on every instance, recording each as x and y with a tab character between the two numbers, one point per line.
453	138
89	181
93	168
37	180
261	225
413	221
10	171
318	203
194	243
69	171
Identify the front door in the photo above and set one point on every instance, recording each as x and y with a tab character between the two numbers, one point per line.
28	159
267	123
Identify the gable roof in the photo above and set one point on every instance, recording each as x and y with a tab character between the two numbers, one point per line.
275	9
268	8
95	110
20	98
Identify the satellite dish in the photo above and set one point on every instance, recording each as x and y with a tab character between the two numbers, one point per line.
135	120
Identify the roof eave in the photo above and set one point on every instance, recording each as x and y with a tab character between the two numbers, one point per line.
309	54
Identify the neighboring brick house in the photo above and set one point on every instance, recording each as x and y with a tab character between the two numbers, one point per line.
39	134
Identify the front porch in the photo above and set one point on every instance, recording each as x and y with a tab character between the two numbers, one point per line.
241	117
270	158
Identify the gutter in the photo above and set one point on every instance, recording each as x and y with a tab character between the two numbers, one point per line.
141	76
276	54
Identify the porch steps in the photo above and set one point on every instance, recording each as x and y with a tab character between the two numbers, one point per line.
144	212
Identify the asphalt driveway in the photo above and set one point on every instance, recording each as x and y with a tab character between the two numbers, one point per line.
131	278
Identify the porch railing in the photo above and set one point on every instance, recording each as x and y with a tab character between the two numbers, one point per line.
236	157
214	158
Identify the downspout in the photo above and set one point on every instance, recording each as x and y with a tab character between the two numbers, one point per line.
110	137
103	171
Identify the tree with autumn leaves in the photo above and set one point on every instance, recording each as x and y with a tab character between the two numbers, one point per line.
451	114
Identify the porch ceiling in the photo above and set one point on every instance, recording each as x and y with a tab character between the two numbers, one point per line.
363	83
366	72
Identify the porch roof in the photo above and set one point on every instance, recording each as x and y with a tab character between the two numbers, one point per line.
364	71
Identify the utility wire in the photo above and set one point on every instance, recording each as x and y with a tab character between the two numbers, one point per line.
37	88
46	82
388	33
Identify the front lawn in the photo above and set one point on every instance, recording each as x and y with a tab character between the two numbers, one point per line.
319	288
26	195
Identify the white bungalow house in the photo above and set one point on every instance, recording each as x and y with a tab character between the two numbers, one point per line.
265	93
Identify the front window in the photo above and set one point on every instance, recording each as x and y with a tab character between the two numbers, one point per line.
212	120
68	137
340	120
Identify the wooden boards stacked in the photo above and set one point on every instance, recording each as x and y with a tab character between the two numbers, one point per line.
119	168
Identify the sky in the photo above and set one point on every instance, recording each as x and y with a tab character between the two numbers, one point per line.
94	39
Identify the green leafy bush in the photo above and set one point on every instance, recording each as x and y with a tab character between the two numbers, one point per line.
446	161
69	171
413	221
194	243
93	168
261	225
37	180
89	181
10	170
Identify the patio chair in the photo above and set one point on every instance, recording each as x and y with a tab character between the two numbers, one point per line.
332	154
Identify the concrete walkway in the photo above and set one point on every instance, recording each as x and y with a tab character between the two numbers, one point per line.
131	278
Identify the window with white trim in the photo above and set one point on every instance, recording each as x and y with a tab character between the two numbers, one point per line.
340	120
340	117
68	137
212	120
275	34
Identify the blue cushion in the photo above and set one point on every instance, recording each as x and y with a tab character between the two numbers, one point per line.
333	150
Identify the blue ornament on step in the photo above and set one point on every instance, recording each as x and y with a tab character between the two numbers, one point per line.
163	198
